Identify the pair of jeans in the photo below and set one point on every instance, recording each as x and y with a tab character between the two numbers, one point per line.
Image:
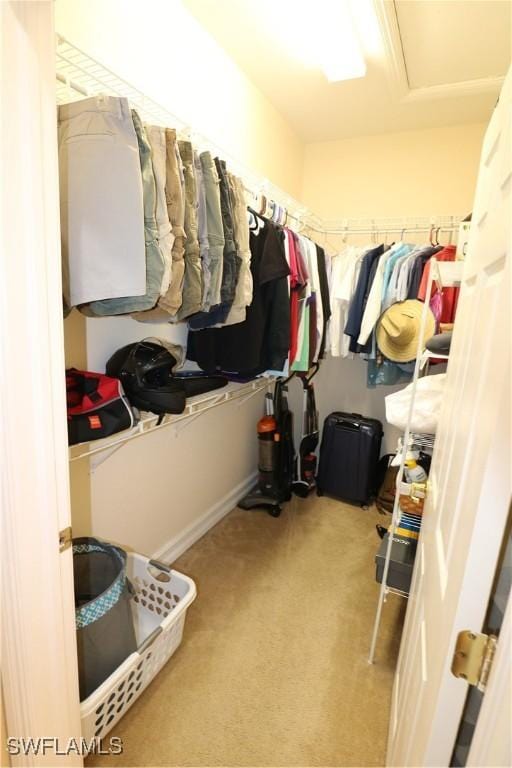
154	259
101	201
192	284
202	230
244	287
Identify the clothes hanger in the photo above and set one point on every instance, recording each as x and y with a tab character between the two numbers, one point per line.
256	223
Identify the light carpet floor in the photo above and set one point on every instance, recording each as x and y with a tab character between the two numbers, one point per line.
273	666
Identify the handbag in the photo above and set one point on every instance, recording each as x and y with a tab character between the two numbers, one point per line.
97	406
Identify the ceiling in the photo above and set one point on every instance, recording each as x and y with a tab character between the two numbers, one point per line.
429	63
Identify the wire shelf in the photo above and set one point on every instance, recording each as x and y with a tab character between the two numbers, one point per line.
80	75
194	407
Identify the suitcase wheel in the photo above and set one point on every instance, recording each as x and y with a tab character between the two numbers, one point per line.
274	511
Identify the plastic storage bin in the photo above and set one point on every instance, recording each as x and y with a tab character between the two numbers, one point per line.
401	562
159	605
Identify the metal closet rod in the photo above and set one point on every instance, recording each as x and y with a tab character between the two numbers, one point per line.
302	221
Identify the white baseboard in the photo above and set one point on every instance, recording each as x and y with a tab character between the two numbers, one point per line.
180	543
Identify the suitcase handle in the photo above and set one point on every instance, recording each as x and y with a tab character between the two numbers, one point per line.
348	426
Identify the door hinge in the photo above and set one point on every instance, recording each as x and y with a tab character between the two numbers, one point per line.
472	659
65	538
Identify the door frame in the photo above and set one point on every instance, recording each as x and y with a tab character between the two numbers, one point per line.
492	739
39	661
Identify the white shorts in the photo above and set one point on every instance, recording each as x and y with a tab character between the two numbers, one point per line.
102	211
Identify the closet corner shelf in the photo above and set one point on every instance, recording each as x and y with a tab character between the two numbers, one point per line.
194	407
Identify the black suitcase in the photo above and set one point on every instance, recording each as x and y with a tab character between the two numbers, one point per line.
349	456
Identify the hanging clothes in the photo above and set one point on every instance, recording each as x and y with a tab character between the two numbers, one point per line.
243	292
192	280
373	306
446	297
343	281
324	294
417	270
156	138
170	302
296	286
155	262
360	298
301	360
262	340
101	201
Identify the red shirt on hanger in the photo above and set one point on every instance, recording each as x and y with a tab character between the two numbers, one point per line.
450	296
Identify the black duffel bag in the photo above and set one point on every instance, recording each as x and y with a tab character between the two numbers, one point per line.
105	633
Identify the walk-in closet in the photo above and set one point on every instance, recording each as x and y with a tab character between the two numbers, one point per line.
255	354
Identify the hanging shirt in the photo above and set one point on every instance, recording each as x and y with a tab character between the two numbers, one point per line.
301	360
391	295
398	250
317	328
324	292
372	310
405	274
358	303
261	342
417	270
295	289
449	295
343	281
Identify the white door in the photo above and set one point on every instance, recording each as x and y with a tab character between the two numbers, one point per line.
467	506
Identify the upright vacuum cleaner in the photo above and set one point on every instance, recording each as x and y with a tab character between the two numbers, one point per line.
305	472
276	454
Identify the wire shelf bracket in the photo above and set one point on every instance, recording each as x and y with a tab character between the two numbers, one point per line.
195	407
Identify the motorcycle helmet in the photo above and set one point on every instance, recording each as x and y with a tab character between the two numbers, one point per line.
145	371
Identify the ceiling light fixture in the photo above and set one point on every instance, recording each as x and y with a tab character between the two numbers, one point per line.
320	33
338	51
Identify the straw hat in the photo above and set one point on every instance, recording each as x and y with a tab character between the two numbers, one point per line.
398	329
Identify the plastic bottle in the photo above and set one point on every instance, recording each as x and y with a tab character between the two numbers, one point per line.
413	472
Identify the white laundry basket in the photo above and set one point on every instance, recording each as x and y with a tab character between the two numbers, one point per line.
159	605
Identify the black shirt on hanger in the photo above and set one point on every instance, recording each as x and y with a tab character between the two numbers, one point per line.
324	293
262	340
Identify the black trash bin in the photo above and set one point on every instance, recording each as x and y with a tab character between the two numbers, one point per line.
104	623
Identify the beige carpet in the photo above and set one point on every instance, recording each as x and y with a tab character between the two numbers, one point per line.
273	667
